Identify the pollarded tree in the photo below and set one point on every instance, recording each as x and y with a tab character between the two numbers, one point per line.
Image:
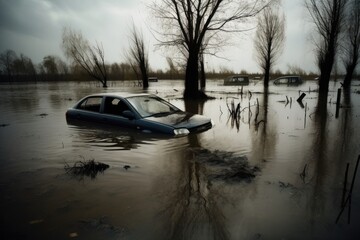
137	56
90	58
188	25
351	45
269	40
328	17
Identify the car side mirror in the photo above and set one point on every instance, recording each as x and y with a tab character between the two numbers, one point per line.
128	114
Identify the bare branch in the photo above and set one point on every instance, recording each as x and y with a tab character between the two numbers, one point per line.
137	55
328	17
194	25
91	59
269	39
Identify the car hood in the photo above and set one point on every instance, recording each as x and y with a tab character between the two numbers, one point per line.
181	120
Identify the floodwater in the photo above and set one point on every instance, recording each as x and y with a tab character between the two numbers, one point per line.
173	188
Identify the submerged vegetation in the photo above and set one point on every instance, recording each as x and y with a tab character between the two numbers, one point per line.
225	166
85	168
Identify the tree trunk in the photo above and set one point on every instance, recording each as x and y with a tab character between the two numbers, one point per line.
326	66
203	77
267	66
192	76
267	77
144	76
324	80
349	74
103	80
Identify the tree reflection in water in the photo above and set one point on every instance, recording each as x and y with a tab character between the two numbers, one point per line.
326	163
193	207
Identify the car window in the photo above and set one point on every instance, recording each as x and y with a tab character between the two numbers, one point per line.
294	80
150	105
281	80
115	106
91	104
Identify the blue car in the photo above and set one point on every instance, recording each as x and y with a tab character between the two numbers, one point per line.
145	112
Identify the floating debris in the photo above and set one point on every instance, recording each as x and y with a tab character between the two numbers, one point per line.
4	125
127	167
237	174
42	115
88	168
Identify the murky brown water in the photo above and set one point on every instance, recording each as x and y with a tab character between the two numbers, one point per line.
168	193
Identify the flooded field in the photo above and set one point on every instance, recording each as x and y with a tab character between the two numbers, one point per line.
181	188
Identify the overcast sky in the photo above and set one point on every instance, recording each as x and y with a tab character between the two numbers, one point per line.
34	28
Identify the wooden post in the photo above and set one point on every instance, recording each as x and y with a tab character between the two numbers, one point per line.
301	97
338	103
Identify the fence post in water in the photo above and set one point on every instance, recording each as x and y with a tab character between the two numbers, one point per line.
301	97
299	100
338	103
305	116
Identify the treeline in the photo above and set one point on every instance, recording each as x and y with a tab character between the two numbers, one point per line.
20	68
15	68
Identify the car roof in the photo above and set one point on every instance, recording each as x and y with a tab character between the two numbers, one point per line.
121	94
238	76
289	76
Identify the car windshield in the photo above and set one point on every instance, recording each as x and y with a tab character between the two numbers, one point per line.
148	106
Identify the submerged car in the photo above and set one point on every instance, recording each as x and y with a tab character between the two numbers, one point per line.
237	80
145	112
288	80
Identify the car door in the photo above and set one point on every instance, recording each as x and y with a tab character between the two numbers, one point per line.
89	109
113	113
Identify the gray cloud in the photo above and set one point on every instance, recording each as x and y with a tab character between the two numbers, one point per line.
34	27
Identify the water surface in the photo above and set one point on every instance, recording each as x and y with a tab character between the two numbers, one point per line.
168	193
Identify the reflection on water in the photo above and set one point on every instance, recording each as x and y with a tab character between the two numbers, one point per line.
191	205
165	192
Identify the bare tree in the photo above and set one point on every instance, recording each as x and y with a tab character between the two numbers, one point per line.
173	70
49	64
189	24
328	17
269	40
90	58
7	59
137	56
296	70
351	45
23	68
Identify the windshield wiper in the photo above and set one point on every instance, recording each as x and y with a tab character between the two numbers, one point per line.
160	114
